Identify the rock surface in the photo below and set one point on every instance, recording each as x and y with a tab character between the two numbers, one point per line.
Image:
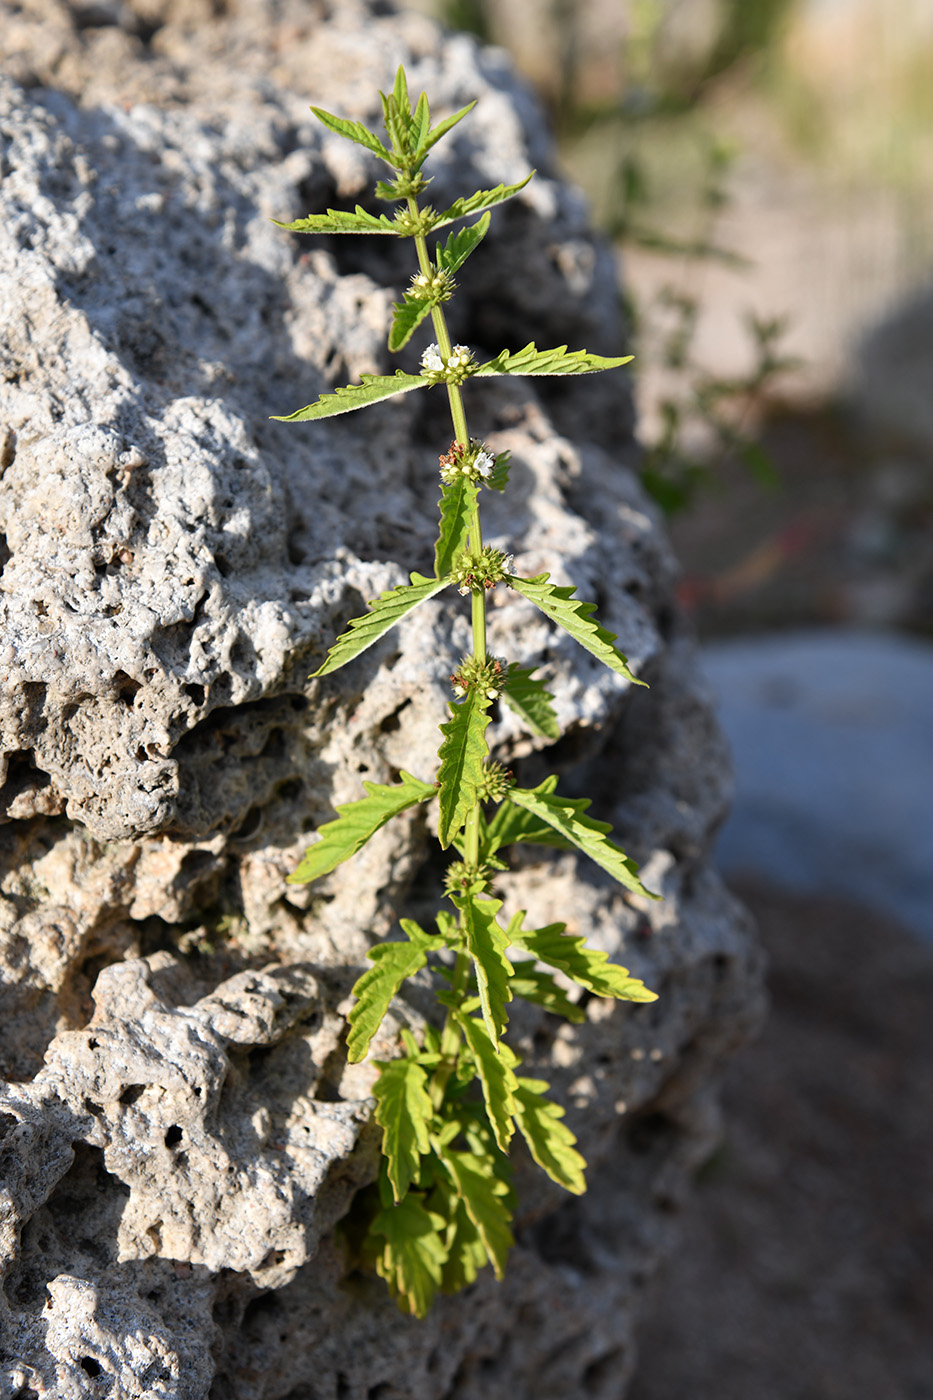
180	1128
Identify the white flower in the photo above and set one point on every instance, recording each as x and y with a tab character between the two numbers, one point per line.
431	362
507	563
459	359
484	464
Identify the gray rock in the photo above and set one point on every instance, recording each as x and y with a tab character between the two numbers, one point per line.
833	748
181	1129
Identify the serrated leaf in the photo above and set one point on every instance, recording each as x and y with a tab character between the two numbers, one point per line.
353	131
550	1142
495	1067
385	611
483	199
590	967
573	614
392	963
462	753
400	91
456	505
482	1196
373	389
567	816
535	985
407	316
420	124
530	701
442	128
486	943
404	1112
512	824
560	360
356	822
460	244
342	221
413	1257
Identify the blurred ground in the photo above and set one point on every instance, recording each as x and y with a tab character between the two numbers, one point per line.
844	537
803	1271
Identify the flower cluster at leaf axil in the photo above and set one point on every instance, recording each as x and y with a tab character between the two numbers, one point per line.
475	462
448	369
451	1100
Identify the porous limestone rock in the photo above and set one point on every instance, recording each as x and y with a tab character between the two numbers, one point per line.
179	1129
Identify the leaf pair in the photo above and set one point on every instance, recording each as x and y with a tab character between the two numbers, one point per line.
376	387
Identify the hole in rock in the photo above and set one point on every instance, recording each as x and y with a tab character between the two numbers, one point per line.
125	687
194	863
223	565
260	1309
197	693
5	554
131	1093
392	722
290	790
174	1136
95	1109
599	1374
650	1131
248	826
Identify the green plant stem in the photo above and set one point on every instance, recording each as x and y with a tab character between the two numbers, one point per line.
461	434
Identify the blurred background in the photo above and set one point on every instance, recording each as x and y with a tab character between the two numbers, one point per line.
764	169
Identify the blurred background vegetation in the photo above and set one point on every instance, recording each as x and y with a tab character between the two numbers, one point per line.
764	169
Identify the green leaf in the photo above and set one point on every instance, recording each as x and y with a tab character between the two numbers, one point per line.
482	1195
354	131
393	962
560	360
462	752
457	504
442	128
403	1111
342	221
407	316
400	92
512	824
466	1254
385	611
550	1142
530	701
495	1067
460	245
374	388
486	943
566	816
420	124
535	985
414	1254
588	966
483	199
574	616
356	822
